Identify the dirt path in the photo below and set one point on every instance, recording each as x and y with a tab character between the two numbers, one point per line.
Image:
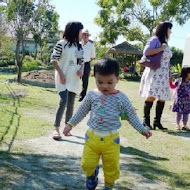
51	164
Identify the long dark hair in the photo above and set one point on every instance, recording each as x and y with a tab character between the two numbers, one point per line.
71	33
184	72
162	31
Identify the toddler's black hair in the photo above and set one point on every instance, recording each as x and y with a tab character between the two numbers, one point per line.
184	72
106	66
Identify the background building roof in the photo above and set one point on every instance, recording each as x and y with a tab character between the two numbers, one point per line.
125	48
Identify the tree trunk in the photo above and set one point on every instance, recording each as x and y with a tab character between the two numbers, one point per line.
41	59
18	61
19	76
36	50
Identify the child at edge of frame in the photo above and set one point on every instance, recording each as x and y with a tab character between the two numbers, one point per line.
181	97
105	105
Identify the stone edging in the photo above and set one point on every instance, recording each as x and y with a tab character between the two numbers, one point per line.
35	83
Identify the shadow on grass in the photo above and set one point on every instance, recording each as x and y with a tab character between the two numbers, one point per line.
181	133
135	152
37	171
70	141
147	166
14	117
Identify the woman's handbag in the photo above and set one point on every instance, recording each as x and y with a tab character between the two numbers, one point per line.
153	61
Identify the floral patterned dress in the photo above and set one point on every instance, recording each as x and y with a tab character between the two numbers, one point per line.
182	101
155	83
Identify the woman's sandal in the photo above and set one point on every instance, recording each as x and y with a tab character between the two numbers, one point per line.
185	128
68	134
56	135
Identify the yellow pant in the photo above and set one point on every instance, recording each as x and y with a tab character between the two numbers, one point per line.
109	148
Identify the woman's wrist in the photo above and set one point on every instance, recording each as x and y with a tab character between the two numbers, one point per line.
160	49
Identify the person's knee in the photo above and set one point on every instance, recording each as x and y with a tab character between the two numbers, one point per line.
88	167
150	99
63	96
62	103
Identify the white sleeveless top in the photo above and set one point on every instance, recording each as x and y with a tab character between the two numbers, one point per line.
67	61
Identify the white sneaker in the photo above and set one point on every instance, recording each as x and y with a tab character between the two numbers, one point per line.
178	127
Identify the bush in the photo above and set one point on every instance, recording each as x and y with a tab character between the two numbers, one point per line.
30	65
176	69
28	58
7	61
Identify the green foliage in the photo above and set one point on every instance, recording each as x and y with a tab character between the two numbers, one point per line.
45	52
20	10
6	61
29	58
6	52
100	50
45	25
24	17
176	69
6	46
30	65
177	56
130	18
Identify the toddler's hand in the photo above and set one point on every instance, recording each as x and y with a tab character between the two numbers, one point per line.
67	130
147	134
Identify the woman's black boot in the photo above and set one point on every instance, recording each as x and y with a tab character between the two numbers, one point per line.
146	120
157	119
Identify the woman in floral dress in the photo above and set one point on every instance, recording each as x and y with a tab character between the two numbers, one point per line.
155	83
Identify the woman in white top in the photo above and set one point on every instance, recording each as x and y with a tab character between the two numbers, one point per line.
66	58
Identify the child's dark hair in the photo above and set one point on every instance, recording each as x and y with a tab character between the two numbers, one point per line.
106	66
184	72
71	33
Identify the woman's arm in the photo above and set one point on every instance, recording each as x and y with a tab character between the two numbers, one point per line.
55	56
157	50
153	46
60	72
80	72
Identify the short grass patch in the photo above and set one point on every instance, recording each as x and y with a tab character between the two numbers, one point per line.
25	111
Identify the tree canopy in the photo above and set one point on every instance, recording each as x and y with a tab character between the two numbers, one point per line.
23	16
137	19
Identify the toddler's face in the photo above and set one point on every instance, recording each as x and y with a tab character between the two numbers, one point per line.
106	83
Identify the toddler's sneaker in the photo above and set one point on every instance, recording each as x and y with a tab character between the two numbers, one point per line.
185	128
178	127
92	181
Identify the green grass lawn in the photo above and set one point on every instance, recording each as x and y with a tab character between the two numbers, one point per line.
27	115
165	156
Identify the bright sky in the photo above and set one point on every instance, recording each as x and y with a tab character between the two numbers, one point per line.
86	10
